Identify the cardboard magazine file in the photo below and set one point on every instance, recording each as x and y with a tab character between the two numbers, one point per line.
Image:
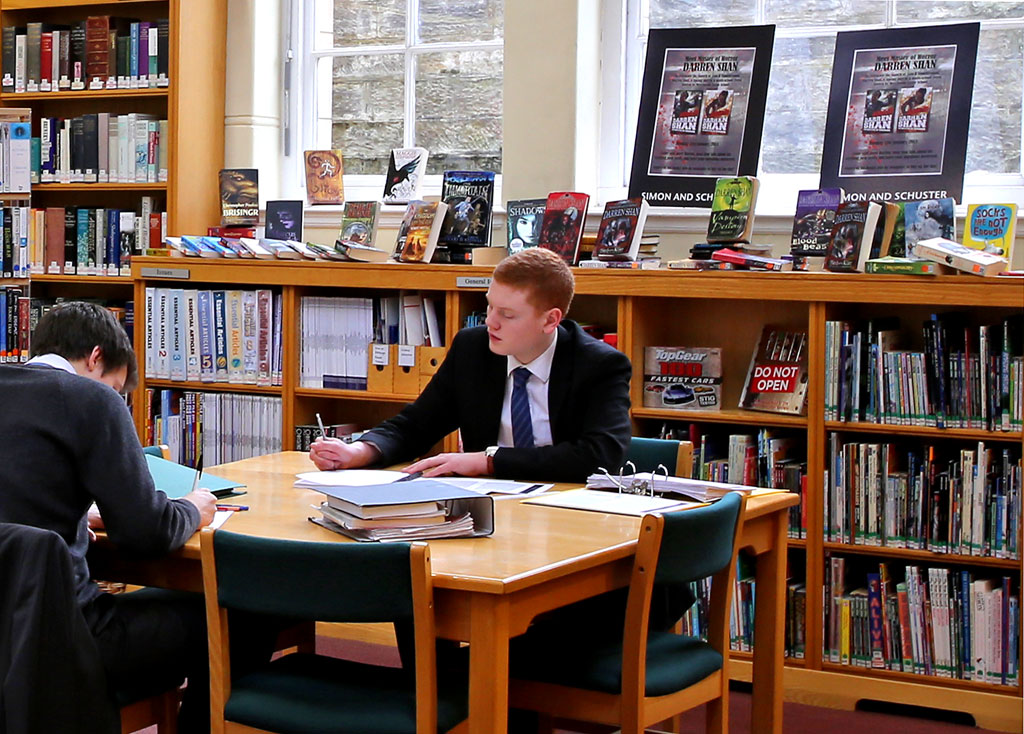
429	360
380	373
406	371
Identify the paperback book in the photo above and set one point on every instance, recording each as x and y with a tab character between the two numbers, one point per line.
562	228
990	228
927	219
852	236
359	222
732	209
683	378
812	224
406	167
324	177
961	258
424	231
239	197
622	226
777	379
284	220
468	195
525	217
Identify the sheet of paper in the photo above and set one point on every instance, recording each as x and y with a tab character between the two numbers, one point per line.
483	485
611	502
347	477
220	517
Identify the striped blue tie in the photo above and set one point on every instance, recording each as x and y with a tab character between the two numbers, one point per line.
522	423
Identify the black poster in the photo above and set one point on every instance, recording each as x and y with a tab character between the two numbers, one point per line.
899	111
701	111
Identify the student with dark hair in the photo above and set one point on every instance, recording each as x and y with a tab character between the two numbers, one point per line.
67	440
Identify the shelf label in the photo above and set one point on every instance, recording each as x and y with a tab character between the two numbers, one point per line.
469	281
406	355
380	354
176	273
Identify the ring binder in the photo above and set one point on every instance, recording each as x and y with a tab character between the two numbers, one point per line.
632	483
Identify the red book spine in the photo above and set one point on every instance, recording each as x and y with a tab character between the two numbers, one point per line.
45	56
154	230
24	333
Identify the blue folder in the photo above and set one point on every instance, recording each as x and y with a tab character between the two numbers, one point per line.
176	480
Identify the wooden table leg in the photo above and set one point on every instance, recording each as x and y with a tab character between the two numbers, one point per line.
488	664
769	633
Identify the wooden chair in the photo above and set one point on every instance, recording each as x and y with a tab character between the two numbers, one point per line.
332	582
647	453
160	711
637	678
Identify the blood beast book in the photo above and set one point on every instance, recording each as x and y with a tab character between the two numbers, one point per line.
777	378
524	217
732	209
813	221
424	231
359	222
990	228
562	228
683	378
622	225
467	223
324	171
927	219
284	220
852	236
239	196
406	167
686	108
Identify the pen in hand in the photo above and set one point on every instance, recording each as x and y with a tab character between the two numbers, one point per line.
320	424
199	473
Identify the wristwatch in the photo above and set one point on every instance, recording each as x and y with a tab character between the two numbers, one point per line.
489	452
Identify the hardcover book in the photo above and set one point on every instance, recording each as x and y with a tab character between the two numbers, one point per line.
812	224
239	196
284	220
348	250
524	219
927	219
732	209
852	236
990	228
683	378
424	231
359	222
777	379
324	172
468	195
562	228
406	167
622	226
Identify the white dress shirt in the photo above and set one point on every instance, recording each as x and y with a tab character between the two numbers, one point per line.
53	360
537	391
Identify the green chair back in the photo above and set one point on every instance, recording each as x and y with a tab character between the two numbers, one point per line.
647	453
698	543
329	582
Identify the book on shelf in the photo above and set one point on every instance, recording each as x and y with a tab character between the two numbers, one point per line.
359	222
565	215
732	209
621	229
852	236
357	252
239	196
777	379
280	249
307	433
813	221
103	148
524	218
406	167
258	250
751	262
690	263
424	230
964	259
467	223
284	219
928	219
991	228
893	237
683	378
324	177
16	315
890	265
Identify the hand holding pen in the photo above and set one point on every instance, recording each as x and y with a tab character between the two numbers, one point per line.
203	499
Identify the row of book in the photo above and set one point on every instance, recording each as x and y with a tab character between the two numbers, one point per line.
87	240
221	427
938	621
307	433
966	502
100	52
15	323
964	377
14	236
101	147
337	333
15	157
213	335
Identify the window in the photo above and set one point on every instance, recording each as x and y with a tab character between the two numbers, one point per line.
373	75
801	76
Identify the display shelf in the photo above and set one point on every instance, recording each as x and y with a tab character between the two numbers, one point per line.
965	434
932	680
318	392
17	97
912	554
726	415
214	386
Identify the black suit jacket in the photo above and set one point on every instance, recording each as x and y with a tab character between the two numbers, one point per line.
588	402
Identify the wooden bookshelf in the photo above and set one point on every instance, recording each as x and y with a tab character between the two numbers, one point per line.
662	308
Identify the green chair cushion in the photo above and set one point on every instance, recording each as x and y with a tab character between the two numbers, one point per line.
674	662
313	694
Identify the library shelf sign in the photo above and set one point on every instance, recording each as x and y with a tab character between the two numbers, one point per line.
899	111
701	112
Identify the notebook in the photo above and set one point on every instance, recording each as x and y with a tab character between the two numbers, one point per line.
176	480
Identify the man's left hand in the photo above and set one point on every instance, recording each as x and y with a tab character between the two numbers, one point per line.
465	465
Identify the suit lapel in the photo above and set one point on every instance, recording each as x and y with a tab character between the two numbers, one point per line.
558	383
495	368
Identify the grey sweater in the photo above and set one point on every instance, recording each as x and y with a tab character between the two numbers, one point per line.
67	441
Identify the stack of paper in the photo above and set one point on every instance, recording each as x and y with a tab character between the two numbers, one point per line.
697	489
346	478
611	502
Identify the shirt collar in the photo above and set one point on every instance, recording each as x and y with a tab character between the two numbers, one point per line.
53	360
541	366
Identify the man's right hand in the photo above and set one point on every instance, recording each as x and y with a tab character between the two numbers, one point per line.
205	502
333	453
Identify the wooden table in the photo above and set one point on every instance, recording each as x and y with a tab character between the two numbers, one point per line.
487	590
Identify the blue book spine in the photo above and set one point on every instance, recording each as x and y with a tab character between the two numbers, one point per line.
82	238
133	63
965	624
165	413
113	241
220	337
206	367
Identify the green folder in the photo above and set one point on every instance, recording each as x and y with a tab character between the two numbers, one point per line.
176	480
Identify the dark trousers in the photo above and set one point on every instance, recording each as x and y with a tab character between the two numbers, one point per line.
151	640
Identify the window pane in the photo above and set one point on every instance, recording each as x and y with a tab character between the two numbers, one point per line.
367	103
915	11
458	109
994	140
824	12
797	104
366	22
461	20
697	14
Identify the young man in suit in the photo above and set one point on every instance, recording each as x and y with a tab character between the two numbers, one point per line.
532	394
67	440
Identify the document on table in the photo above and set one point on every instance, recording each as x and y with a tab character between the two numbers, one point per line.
220	517
611	502
483	485
347	478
